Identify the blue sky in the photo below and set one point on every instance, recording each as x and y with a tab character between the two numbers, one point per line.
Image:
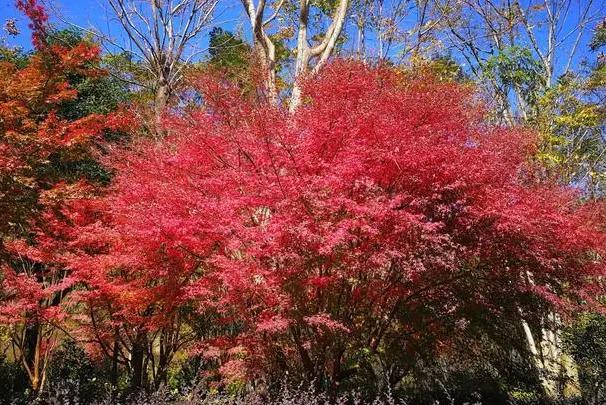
90	13
95	13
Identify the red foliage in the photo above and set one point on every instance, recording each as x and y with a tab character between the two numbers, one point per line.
380	215
33	225
38	20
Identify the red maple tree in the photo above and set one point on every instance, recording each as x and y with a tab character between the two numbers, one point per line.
378	220
36	141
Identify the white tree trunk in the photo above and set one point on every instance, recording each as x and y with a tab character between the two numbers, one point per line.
557	371
265	47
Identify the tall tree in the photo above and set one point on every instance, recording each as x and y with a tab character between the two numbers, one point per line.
163	35
45	146
231	56
544	36
312	52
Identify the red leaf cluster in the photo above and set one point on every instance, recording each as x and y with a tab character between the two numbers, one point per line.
35	224
380	214
38	20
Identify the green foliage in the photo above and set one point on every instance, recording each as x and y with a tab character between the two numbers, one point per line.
283	52
228	51
232	57
72	370
69	37
443	67
516	68
99	95
13	382
599	37
186	376
586	342
597	79
85	167
96	94
447	69
327	7
570	119
15	56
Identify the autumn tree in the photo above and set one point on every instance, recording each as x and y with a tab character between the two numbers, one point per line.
345	240
576	153
45	144
570	116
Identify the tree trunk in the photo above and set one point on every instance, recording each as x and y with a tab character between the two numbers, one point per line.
137	357
557	371
163	360
295	98
266	55
114	371
163	93
32	357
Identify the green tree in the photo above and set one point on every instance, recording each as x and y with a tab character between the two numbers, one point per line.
586	341
571	116
228	51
